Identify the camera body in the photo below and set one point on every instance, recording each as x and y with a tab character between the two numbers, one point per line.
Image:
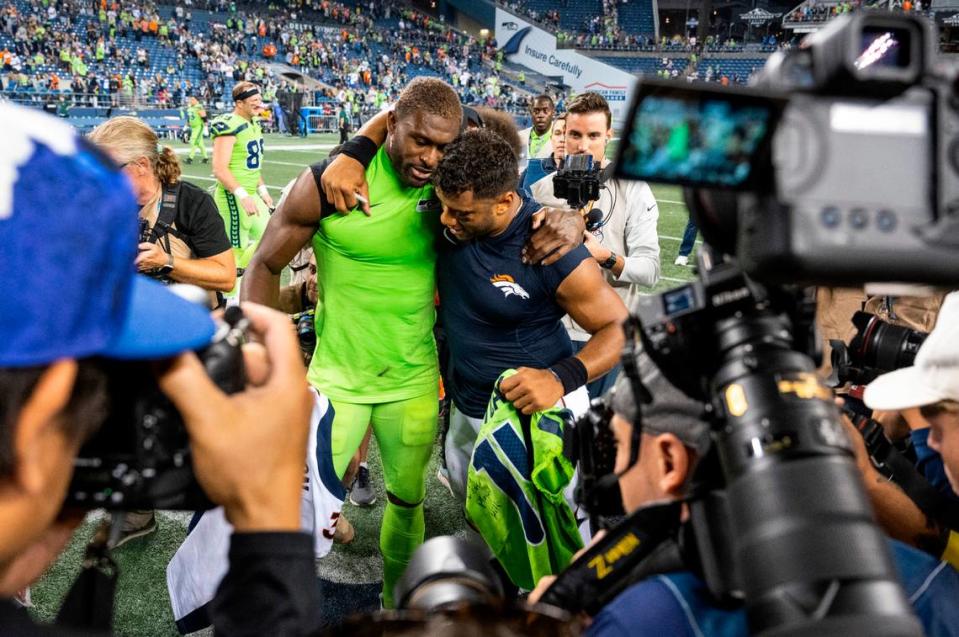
678	326
305	323
147	234
144	231
877	348
140	457
843	157
577	180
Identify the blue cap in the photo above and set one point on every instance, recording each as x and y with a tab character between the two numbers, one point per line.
68	240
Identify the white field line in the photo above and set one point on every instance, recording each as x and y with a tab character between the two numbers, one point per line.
214	179
301	147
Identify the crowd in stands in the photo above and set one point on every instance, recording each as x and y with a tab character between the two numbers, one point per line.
604	31
817	11
105	57
135	52
812	11
129	53
600	31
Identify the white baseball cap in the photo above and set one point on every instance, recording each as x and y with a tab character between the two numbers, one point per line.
934	376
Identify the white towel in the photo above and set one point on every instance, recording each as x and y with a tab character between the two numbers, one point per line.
201	562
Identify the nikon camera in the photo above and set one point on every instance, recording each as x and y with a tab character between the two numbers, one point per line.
140	457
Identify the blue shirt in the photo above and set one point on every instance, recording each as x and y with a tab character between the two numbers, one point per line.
679	604
536	169
929	463
497	312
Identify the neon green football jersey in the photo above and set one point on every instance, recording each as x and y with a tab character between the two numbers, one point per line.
515	498
376	284
247	157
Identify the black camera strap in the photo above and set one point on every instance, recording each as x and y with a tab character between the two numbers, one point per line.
605	174
88	605
163	227
645	543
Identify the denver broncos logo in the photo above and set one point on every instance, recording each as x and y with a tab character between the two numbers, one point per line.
507	285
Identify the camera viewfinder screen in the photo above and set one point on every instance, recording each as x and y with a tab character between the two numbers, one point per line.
703	139
679	300
883	47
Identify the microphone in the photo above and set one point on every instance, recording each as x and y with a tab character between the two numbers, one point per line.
594	219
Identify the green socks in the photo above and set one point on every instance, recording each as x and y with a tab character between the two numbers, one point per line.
402	532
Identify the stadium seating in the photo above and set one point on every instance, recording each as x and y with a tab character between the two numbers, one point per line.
164	61
648	65
637	17
731	67
573	16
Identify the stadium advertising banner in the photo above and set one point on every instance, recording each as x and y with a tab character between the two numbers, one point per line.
523	43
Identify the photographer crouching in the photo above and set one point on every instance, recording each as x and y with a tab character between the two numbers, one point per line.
768	529
673	597
58	339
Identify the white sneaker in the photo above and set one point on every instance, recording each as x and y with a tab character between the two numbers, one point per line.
681	260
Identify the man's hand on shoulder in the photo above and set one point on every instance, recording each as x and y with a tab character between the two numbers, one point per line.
531	390
342	179
556	232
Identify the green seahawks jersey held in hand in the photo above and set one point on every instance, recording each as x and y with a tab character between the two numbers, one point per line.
515	498
247	156
376	284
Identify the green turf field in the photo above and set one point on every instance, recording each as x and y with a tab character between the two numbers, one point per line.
142	607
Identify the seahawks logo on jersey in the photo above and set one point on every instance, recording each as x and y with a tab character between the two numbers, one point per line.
221	128
508	286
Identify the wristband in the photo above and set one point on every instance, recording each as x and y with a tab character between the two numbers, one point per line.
263	191
240	193
571	373
360	148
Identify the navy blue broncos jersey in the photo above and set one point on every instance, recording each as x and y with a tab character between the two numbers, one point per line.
499	313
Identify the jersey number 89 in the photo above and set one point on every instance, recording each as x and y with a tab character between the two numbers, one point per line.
255	149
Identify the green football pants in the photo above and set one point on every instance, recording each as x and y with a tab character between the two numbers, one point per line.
196	142
243	230
405	431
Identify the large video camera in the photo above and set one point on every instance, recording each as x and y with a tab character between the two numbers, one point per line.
577	181
839	167
843	159
140	457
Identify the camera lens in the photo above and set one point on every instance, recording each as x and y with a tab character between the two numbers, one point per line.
448	571
891	346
